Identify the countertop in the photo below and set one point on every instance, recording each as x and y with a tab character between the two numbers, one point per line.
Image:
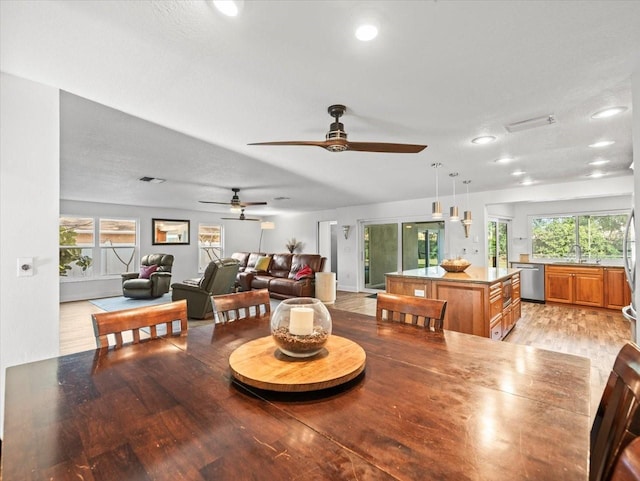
482	275
570	263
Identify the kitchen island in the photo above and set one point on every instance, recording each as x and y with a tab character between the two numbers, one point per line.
484	301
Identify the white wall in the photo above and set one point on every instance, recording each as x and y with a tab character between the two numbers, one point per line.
29	192
635	94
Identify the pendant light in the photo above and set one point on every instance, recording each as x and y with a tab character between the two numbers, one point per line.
453	210
436	208
467	221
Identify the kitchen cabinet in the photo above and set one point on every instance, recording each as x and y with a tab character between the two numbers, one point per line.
617	293
477	299
575	285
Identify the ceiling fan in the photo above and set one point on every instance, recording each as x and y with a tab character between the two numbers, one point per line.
235	203
336	139
242	217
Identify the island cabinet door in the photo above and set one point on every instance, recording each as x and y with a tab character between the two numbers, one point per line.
467	306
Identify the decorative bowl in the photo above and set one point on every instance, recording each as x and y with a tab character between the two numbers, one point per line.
301	326
455	265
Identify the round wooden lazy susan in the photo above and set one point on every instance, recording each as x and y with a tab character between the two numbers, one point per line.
259	363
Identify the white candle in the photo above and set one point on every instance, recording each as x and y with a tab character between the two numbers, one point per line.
301	321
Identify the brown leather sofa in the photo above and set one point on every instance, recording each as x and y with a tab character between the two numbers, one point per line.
279	277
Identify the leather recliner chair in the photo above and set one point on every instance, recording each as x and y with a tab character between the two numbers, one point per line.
158	282
219	278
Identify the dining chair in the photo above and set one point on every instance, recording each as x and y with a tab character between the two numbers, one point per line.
411	310
628	466
241	305
617	420
162	319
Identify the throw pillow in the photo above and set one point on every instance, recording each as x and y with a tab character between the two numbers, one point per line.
146	271
306	271
262	264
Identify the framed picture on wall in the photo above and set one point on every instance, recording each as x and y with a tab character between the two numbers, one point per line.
170	231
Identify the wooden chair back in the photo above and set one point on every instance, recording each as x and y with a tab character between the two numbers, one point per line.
628	466
118	322
617	420
411	310
241	305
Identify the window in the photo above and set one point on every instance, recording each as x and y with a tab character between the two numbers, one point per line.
117	245
82	257
209	245
586	237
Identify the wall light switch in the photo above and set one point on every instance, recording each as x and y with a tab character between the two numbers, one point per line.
25	266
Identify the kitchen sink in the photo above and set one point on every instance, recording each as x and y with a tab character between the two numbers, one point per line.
574	263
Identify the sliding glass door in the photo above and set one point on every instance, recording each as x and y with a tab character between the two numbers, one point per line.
380	253
396	246
498	243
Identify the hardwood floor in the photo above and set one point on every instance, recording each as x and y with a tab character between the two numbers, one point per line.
594	333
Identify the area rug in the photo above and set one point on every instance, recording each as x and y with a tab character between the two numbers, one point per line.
119	303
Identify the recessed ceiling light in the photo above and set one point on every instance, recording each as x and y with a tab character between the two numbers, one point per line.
599	162
485	139
366	32
602	143
230	8
603	114
518	172
503	160
527	182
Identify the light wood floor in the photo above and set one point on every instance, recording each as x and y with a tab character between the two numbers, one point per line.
597	334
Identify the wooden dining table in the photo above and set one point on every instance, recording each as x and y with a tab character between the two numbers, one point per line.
428	406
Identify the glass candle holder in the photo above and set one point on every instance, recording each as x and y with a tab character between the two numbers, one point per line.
301	326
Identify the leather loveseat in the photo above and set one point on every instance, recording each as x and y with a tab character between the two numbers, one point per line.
280	275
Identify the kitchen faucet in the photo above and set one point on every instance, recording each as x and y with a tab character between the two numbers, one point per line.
578	251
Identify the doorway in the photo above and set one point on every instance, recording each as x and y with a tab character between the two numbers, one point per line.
328	244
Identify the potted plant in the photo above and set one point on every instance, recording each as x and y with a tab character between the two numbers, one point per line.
292	244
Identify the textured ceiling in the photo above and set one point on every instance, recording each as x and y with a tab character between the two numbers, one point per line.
188	89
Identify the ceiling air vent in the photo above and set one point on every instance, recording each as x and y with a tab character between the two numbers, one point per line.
153	180
531	123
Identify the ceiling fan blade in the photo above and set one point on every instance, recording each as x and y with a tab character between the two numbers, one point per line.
238	218
321	143
213	202
244	204
385	147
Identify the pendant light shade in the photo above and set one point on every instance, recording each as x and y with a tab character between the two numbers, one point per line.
467	221
436	207
467	213
453	210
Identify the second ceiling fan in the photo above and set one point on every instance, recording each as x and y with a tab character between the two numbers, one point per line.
242	217
336	139
235	203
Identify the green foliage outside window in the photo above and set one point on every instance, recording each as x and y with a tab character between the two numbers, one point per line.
599	236
69	255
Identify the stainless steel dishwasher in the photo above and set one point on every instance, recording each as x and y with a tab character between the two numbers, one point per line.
531	281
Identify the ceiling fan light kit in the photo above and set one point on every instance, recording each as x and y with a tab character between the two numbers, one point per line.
336	139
